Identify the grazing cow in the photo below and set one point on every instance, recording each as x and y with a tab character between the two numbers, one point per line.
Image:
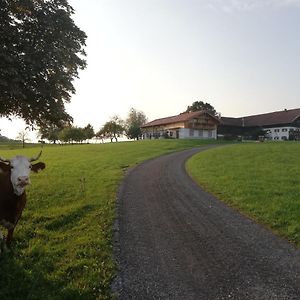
14	177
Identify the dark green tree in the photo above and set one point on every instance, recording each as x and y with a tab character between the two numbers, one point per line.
134	122
41	53
294	134
88	132
77	134
200	105
50	133
71	134
64	135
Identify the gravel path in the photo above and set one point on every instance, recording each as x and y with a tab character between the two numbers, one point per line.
175	241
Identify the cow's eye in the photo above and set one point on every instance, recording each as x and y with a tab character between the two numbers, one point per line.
30	167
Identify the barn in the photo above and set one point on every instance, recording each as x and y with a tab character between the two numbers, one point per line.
276	126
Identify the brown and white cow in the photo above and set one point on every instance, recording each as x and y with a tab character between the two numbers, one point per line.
14	177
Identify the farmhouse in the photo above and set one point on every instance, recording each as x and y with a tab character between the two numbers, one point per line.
197	125
279	125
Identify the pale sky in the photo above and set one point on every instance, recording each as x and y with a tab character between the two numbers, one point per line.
159	56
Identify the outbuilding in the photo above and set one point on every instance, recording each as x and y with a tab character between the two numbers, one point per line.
276	126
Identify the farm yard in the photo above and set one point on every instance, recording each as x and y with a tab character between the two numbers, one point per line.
62	247
200	202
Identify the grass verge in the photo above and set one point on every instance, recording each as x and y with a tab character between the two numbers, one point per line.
261	180
62	247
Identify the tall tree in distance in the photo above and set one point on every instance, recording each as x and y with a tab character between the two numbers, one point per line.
23	137
51	133
88	132
41	53
71	134
200	105
134	122
112	129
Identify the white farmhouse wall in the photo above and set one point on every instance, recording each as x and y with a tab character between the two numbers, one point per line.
186	133
279	133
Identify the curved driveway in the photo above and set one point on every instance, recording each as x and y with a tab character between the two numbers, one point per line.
175	241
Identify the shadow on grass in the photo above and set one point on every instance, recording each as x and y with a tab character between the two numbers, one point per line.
31	273
19	282
66	221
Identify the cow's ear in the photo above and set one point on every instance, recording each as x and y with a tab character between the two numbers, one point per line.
4	167
38	167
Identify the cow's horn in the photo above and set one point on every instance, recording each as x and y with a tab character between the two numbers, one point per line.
4	159
36	157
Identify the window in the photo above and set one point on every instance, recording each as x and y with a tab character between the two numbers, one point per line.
284	129
200	133
276	130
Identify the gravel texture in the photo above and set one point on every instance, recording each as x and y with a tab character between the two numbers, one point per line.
175	241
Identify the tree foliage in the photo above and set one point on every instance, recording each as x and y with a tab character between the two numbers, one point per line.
50	133
71	134
294	134
112	129
200	105
77	134
40	55
88	132
67	134
134	122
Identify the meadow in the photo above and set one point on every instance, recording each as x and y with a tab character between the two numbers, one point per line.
262	180
62	246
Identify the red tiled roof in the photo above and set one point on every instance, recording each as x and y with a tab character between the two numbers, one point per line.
273	118
175	119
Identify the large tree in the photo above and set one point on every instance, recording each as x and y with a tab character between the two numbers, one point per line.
200	105
134	122
40	55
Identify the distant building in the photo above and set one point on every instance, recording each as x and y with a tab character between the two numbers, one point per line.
279	125
191	125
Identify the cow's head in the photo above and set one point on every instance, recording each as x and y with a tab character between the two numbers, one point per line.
19	168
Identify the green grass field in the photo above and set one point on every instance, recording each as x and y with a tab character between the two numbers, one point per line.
261	180
62	247
15	145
